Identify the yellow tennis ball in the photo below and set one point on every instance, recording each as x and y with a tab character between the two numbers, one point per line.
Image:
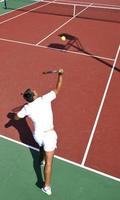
63	38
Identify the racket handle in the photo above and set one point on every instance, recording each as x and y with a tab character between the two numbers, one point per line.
51	72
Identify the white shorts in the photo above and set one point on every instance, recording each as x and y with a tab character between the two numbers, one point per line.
46	139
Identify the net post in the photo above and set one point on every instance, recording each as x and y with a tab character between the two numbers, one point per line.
74	10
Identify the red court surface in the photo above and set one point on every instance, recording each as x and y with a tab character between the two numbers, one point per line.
85	80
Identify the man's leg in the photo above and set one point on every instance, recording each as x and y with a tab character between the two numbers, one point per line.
48	167
42	155
48	172
49	146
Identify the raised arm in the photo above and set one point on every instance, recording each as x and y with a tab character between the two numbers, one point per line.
59	81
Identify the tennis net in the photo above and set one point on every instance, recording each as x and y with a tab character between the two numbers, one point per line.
86	11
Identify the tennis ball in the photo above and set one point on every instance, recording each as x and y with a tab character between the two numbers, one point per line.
63	38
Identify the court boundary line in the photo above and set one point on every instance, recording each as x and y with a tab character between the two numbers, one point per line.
100	108
60	50
63	159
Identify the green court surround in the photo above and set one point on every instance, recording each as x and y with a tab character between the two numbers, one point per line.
69	182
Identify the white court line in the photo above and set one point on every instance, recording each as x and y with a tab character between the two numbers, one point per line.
100	109
79	53
62	25
64	160
24	13
66	51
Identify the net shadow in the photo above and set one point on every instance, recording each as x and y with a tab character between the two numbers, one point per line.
74	42
96	14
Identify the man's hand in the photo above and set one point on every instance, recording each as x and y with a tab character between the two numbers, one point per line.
13	116
59	81
60	71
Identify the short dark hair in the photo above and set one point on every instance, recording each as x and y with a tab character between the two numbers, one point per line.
28	95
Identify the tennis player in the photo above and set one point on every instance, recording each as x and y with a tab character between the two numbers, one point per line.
39	110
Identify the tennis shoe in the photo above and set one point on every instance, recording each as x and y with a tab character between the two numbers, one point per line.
47	190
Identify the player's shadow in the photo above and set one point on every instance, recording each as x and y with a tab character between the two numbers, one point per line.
72	41
26	137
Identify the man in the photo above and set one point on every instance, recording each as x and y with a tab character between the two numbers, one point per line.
39	110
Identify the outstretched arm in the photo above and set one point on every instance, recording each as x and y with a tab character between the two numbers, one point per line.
59	81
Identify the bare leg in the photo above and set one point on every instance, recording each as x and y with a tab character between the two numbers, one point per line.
48	167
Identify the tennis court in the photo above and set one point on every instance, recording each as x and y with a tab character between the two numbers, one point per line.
87	111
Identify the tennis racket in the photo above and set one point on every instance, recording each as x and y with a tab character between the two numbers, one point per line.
51	72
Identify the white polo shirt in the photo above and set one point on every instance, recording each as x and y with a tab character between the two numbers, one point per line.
40	112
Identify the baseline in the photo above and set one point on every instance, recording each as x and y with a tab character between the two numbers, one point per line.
65	160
